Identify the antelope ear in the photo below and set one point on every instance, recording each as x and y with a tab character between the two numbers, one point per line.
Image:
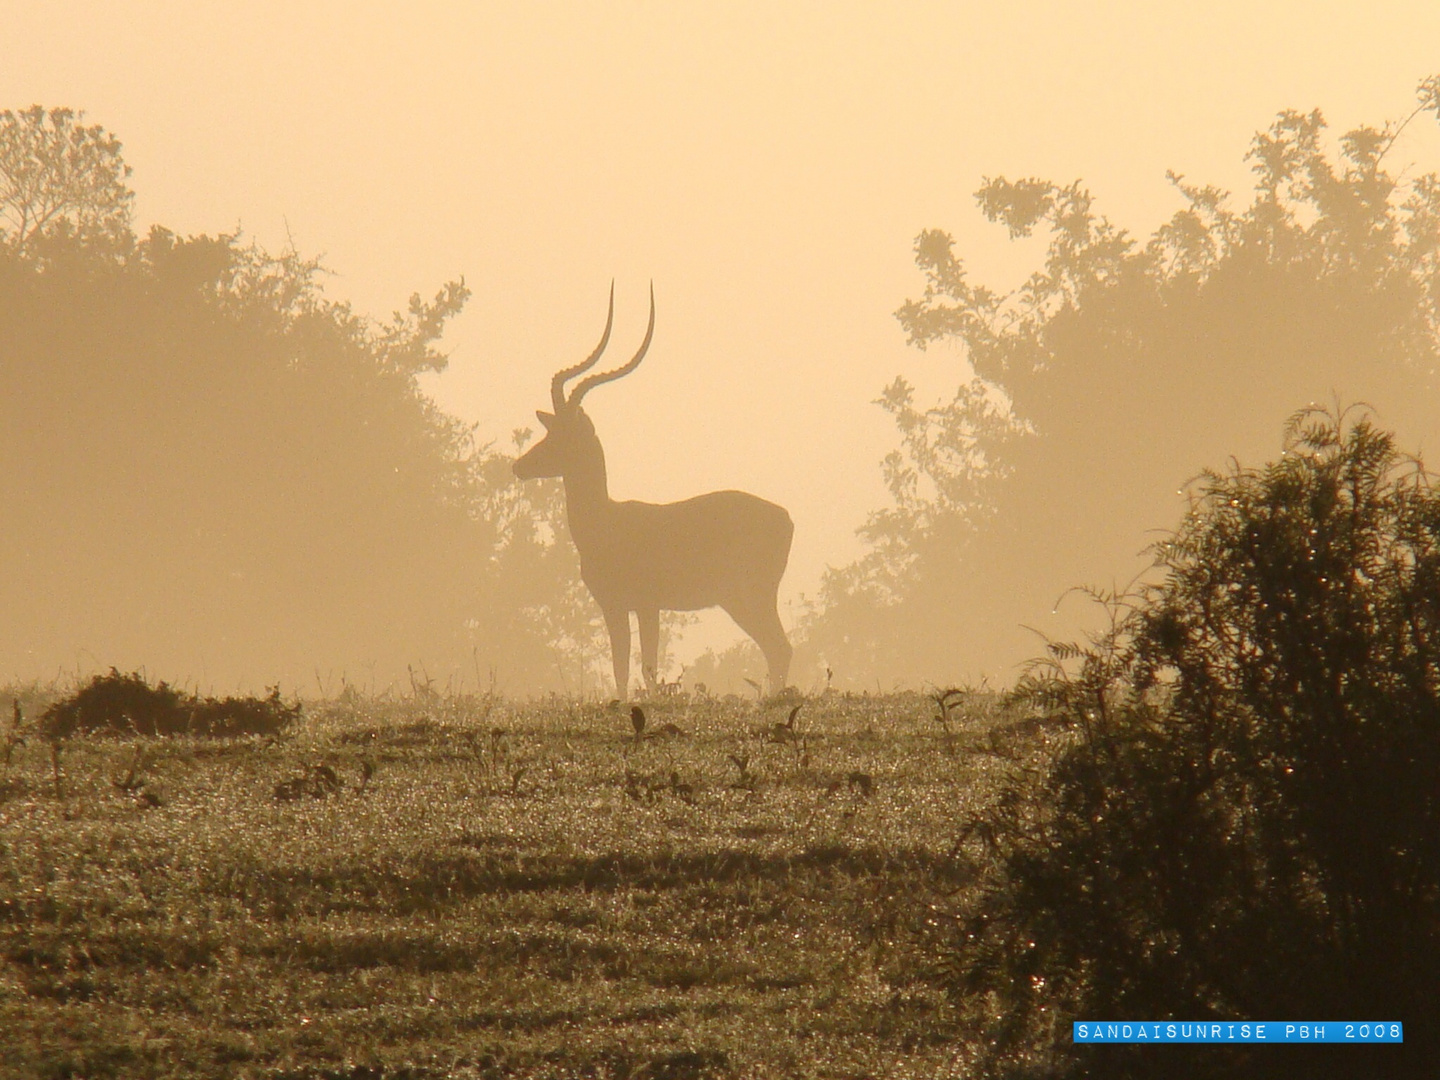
545	418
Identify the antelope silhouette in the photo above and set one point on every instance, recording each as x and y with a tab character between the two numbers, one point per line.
725	549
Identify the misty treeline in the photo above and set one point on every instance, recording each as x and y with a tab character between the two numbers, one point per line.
1120	370
210	470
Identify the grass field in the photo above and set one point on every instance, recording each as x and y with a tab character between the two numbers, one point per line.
514	890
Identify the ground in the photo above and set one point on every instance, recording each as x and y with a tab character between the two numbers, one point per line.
469	887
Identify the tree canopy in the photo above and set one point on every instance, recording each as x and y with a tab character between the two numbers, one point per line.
1116	372
57	174
211	470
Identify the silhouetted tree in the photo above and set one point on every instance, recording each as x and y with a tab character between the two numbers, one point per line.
209	469
1115	372
56	174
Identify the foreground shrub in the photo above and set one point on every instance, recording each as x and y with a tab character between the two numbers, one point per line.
128	705
1247	825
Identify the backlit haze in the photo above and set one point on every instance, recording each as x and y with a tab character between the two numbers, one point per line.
767	165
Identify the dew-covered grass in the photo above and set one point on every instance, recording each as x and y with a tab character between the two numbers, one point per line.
469	887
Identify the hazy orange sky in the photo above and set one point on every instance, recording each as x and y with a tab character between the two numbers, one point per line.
767	164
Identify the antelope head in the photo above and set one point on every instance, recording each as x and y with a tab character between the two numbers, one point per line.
569	434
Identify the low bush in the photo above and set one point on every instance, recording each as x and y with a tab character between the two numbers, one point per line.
118	704
1247	822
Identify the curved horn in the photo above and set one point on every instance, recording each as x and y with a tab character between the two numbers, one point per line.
557	384
606	376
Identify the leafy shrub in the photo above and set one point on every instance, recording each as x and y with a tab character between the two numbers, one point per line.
1247	824
128	705
233	716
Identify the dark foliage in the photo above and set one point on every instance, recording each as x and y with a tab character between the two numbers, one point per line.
118	704
1248	823
247	715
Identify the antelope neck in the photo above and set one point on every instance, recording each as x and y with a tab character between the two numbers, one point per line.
587	492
